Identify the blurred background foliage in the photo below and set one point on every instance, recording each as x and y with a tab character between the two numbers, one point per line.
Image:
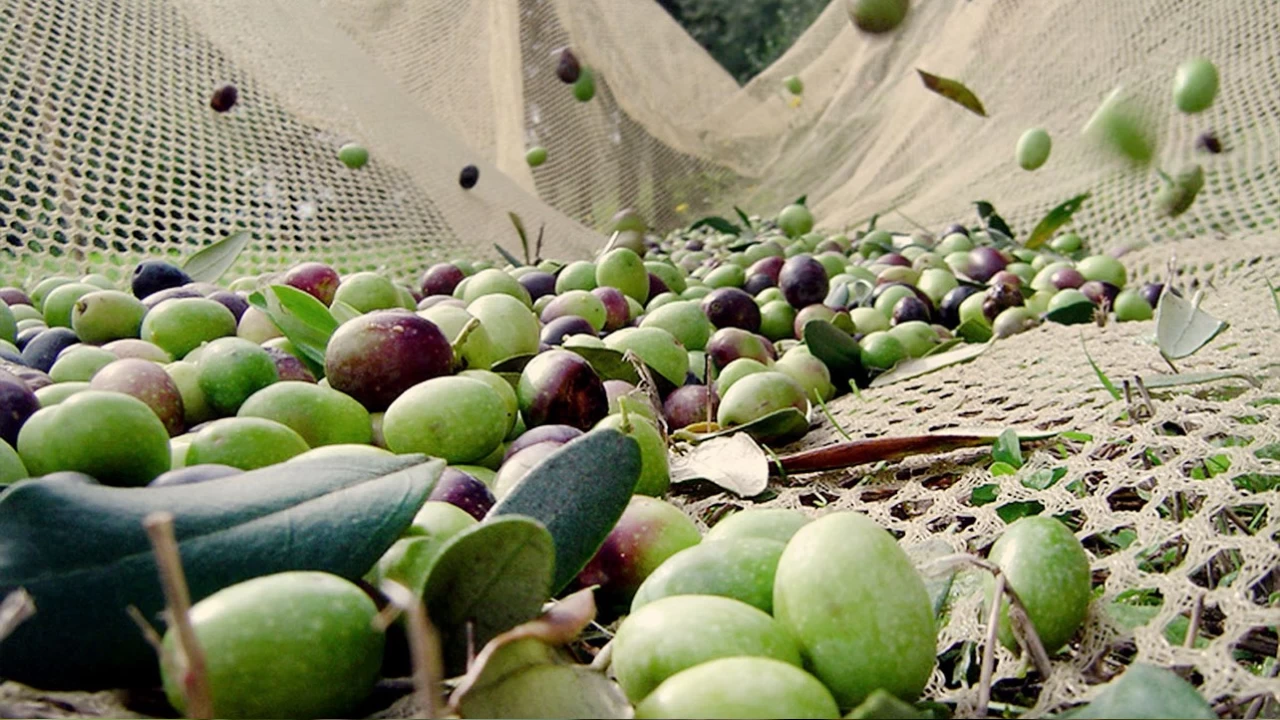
745	36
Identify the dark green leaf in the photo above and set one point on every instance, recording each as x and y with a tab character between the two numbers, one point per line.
524	240
1044	479
1000	469
1146	691
493	575
836	349
1019	509
507	256
81	551
777	428
801	200
1056	218
974	331
303	319
608	363
578	492
883	705
717	223
1182	328
746	220
1008	449
871	224
984	494
1155	382
1076	313
991	220
914	368
213	261
515	363
343	312
1102	377
954	91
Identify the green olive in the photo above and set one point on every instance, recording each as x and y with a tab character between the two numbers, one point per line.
1195	85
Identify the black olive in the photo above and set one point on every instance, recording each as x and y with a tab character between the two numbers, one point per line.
469	176
224	98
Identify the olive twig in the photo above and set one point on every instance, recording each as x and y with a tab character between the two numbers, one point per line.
15	610
195	682
424	646
148	633
1025	633
989	649
1193	628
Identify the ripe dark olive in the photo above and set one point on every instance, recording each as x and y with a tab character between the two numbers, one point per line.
377	356
8	355
42	350
1004	277
1100	292
657	286
758	283
173	293
689	404
803	281
152	276
233	302
469	176
14	296
18	403
955	229
34	379
224	98
985	262
617	311
949	308
770	266
731	307
537	283
729	344
289	367
554	332
464	491
693	245
315	279
25	336
559	387
893	258
568	69
441	279
909	309
1151	293
1067	278
1209	142
1000	298
558	434
194	474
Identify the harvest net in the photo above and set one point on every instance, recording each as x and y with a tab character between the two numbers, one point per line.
111	153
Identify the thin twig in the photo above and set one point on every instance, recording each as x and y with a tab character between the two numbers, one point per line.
989	649
148	633
913	222
1146	396
15	610
603	658
428	663
1193	629
1025	632
1128	404
195	682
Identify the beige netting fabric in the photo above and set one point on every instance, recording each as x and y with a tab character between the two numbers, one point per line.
110	153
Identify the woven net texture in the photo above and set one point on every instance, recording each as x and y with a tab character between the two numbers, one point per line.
111	153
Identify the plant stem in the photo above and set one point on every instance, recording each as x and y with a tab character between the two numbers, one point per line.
195	681
989	649
425	652
1193	628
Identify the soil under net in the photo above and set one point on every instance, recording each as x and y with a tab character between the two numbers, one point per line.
110	153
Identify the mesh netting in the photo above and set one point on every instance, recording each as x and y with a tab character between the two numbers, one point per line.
110	152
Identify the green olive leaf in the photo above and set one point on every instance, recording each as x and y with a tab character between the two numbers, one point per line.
515	363
1008	449
944	346
1146	691
1182	328
608	363
991	220
524	242
746	221
1102	376
578	492
214	260
488	579
1156	382
1056	218
80	549
883	705
717	223
914	368
776	428
1077	313
342	312
836	349
507	255
954	91
303	319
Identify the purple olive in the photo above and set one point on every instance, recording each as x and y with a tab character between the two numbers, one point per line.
559	387
910	309
568	69
17	403
34	379
755	284
148	382
955	229
984	262
289	367
14	296
233	302
537	283
771	266
41	351
1067	279
893	258
377	356
224	98
1100	293
1000	298
949	308
803	281
729	344
731	307
689	404
554	332
313	278
657	286
441	279
194	474
182	291
463	490
1004	277
558	434
617	309
693	245
518	464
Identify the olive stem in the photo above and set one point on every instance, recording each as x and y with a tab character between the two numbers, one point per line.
471	643
15	610
604	658
148	633
424	650
1193	628
1025	632
195	681
463	334
989	649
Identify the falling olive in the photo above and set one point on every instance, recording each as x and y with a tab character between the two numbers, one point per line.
1209	142
1177	195
468	177
224	98
568	69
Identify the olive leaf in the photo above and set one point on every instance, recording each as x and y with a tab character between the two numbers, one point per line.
914	368
801	200
1182	328
734	462
342	312
1056	218
533	686
486	580
1156	382
1008	449
212	261
1146	691
991	220
746	220
1077	313
1102	376
883	705
578	492
776	428
858	452
608	363
524	241
303	319
506	255
836	349
81	551
954	91
717	223
513	364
